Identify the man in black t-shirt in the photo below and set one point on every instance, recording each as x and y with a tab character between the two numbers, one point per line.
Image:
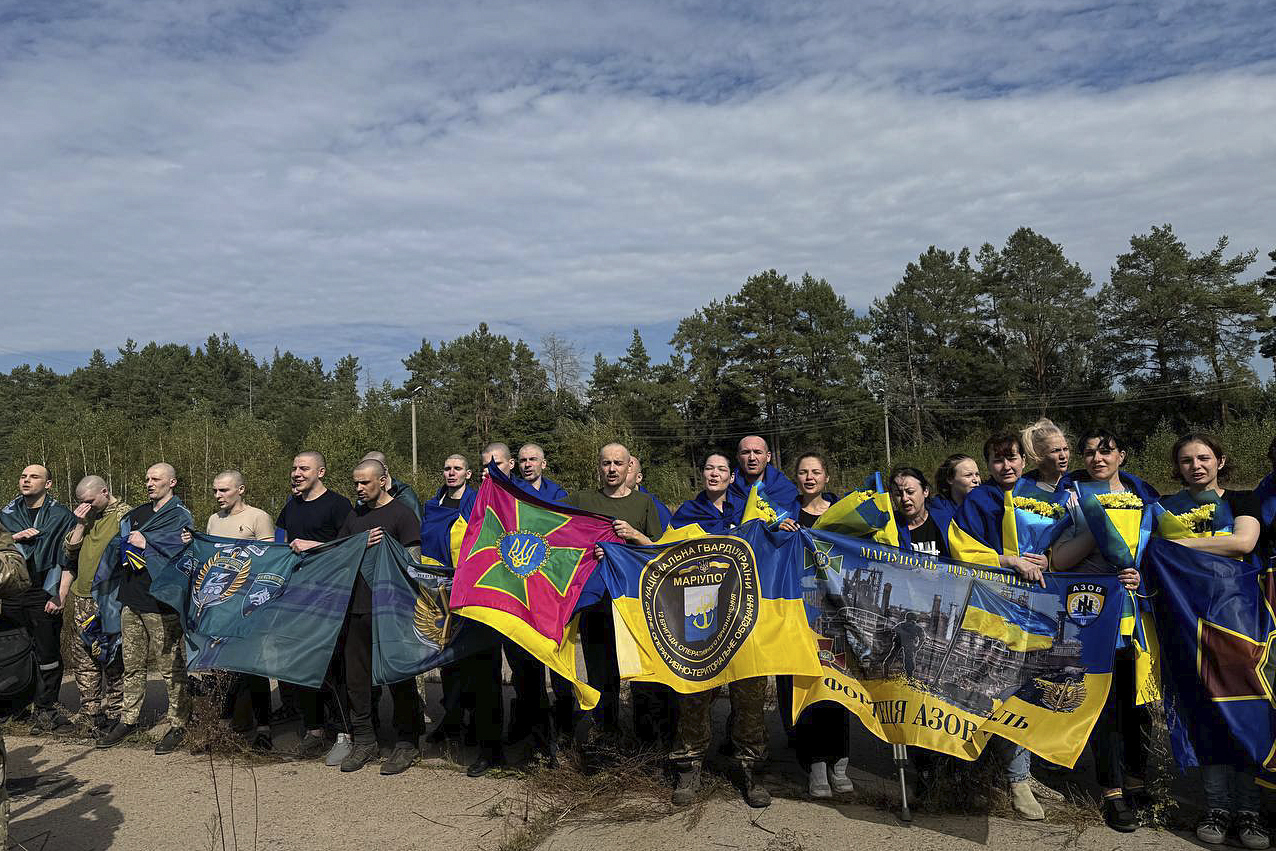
378	514
313	515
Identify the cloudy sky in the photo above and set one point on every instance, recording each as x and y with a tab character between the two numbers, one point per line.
351	178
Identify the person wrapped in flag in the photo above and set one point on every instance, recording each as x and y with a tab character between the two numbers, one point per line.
711	510
753	460
1009	523
1119	511
919	531
1206	517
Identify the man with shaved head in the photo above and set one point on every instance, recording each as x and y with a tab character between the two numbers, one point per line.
635	521
498	453
38	522
531	474
148	628
753	460
97	521
379	514
237	519
402	491
314	515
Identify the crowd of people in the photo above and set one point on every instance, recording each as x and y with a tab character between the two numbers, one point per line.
339	722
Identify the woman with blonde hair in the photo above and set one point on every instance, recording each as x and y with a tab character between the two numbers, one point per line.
1046	446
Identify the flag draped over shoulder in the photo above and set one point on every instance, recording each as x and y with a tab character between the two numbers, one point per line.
865	513
523	565
163	533
700	613
1217	621
258	607
760	506
413	628
44	555
1188	515
936	653
992	522
697	517
443	528
781	493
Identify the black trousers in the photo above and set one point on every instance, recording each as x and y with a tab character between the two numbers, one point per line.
823	733
529	712
258	689
408	715
475	683
598	637
46	631
329	700
1119	740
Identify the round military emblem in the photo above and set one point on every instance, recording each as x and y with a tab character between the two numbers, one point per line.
522	552
700	599
219	579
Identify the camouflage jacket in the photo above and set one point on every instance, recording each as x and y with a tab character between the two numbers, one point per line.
14	578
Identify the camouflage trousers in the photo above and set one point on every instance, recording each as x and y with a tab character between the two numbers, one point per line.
101	692
149	635
748	725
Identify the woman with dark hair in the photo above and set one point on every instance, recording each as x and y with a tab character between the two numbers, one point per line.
1223	522
910	493
821	735
711	508
1118	742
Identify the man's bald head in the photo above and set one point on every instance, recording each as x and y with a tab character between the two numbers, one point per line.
90	484
531	463
634	476
752	454
34	483
499	453
613	465
308	469
370	481
161	478
92	490
373	465
376	455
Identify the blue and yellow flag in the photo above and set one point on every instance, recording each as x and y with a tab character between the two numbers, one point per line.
163	533
992	522
1217	618
759	506
1012	623
1188	515
708	611
865	513
443	529
932	652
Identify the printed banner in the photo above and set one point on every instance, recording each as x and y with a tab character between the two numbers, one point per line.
940	654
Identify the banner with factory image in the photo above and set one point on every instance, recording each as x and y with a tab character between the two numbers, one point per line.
937	653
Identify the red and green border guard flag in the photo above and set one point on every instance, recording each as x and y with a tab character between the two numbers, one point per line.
523	564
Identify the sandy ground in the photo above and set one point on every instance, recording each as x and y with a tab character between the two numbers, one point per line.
70	797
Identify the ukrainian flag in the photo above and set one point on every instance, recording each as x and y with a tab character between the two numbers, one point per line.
760	507
704	612
1019	627
865	513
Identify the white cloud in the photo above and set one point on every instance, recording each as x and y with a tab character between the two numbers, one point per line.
176	169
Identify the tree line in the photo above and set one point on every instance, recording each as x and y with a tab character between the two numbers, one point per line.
965	342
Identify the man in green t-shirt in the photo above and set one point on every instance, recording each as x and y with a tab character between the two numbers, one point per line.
636	521
97	520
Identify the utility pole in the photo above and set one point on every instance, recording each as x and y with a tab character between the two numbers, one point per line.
886	426
415	391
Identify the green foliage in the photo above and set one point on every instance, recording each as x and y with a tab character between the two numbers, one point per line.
953	351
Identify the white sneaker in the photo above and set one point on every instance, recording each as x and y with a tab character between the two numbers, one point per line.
818	783
838	779
339	751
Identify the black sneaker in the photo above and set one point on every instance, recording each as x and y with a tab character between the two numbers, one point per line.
311	747
688	785
49	721
360	755
755	794
1138	797
480	766
263	742
400	759
172	740
116	734
1118	815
